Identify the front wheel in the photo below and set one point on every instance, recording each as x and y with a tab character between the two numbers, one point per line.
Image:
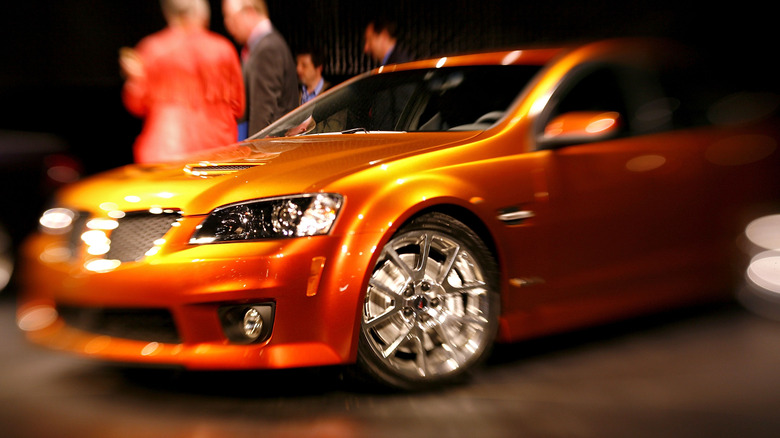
431	307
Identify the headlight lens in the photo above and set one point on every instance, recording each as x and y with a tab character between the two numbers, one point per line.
272	218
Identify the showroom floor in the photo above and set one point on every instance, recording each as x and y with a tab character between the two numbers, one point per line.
701	373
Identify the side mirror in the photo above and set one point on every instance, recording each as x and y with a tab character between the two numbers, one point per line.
581	127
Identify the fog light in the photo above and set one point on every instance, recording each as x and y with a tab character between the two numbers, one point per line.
253	323
247	323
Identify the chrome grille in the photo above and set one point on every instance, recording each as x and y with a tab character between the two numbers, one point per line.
136	234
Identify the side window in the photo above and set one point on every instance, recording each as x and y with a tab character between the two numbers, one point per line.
633	93
597	91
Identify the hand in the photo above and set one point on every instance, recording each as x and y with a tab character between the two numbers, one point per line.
130	63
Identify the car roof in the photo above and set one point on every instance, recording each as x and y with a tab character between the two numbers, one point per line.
536	56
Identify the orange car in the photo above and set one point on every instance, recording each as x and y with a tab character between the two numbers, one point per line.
409	218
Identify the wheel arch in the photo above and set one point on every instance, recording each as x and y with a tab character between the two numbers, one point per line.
464	215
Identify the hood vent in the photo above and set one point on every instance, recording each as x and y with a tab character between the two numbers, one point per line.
207	169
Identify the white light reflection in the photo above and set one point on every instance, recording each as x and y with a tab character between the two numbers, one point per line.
102	224
764	268
765	232
761	293
102	265
764	271
511	57
440	62
57	220
36	318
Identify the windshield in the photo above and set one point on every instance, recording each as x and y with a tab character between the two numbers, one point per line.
442	99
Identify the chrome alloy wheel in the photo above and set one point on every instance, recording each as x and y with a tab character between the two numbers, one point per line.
430	311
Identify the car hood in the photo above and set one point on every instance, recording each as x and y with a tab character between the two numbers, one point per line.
249	170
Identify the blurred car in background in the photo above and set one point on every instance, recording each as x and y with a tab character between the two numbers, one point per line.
32	166
410	217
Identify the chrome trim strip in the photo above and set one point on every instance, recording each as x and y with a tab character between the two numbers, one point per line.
514	216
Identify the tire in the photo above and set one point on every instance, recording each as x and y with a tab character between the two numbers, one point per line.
431	307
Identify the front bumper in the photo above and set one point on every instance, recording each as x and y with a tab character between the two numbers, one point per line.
313	285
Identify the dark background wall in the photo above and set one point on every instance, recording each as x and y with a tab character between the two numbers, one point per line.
59	71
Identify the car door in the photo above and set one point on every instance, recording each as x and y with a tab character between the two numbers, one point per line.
619	205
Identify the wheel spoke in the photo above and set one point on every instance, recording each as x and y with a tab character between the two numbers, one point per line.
381	318
477	288
400	338
446	268
373	282
448	343
400	264
418	339
425	252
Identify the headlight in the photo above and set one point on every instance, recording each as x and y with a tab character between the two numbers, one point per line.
272	218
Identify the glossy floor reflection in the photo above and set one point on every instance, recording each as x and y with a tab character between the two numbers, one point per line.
708	372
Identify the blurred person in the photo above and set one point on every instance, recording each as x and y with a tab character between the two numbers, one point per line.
381	43
309	67
270	77
185	82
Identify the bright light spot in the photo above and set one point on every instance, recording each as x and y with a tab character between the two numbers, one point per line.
764	271
600	125
132	198
102	224
441	62
150	349
36	318
344	249
400	181
383	167
765	232
511	57
57	219
98	249
152	251
95	237
116	214
165	195
156	210
102	265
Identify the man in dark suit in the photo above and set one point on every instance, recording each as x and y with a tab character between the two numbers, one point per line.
270	78
388	105
310	64
382	43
